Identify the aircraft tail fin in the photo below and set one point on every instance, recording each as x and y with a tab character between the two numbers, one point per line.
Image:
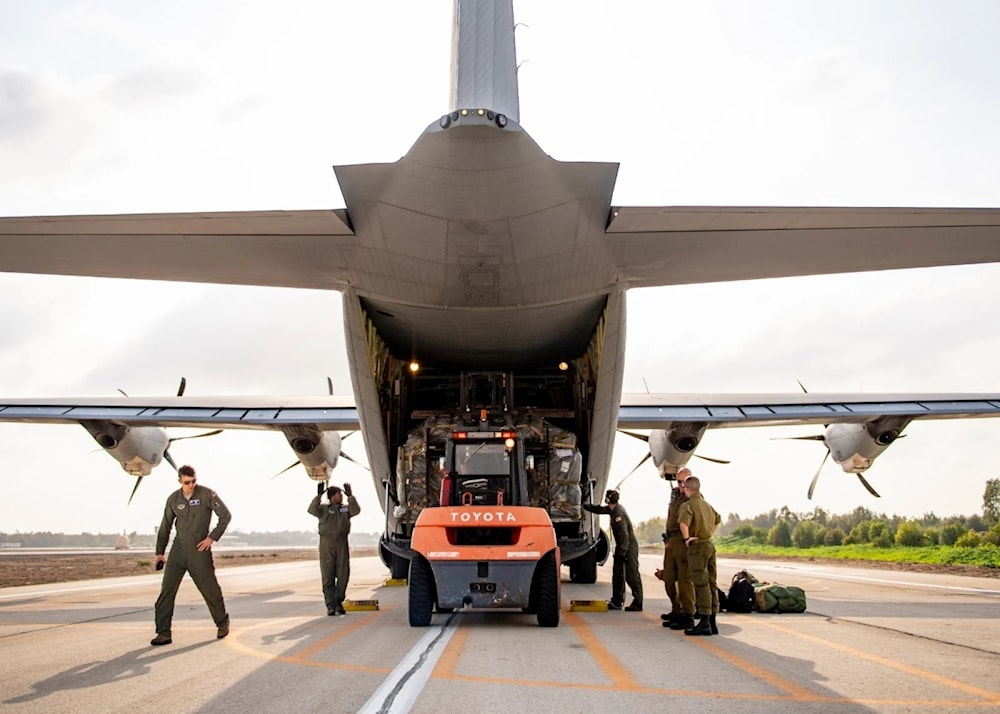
483	60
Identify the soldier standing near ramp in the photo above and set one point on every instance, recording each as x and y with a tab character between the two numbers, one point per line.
334	555
676	580
625	563
698	521
190	508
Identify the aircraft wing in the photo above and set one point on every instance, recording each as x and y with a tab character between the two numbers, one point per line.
326	413
302	249
657	411
683	245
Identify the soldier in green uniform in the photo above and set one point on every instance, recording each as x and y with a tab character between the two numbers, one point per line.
698	521
625	563
190	509
676	580
334	555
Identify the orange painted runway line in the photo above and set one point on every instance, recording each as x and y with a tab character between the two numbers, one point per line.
985	694
617	673
794	691
339	633
445	666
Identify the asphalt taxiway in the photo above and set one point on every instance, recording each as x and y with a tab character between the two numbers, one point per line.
871	640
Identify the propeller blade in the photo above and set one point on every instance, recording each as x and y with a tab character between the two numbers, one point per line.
641	437
134	489
182	387
645	458
169	459
867	485
329	386
812	484
804	390
354	461
818	437
196	436
713	460
287	468
122	392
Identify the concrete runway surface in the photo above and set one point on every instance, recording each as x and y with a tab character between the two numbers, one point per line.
872	640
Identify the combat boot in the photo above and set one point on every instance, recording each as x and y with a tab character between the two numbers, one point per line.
162	638
711	623
704	627
683	621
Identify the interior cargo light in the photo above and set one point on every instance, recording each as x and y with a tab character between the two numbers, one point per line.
465	112
480	112
508	444
414	366
508	434
460	435
563	366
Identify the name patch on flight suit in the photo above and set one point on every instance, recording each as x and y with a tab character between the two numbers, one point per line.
195	501
343	509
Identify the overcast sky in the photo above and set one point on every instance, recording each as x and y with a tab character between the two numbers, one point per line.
118	107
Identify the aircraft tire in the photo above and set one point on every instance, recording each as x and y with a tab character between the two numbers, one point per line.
421	595
400	567
583	570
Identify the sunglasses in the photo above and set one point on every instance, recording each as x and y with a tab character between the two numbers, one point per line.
188	483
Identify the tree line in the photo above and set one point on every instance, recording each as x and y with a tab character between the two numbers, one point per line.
783	528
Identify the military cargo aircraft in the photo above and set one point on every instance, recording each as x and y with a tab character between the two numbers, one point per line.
484	284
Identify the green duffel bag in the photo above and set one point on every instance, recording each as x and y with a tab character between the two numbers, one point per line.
774	597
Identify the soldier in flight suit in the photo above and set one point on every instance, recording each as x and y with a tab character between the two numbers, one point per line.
625	564
698	522
190	509
334	556
676	580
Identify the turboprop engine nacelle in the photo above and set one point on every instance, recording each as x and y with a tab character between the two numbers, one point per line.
139	449
318	451
672	448
855	446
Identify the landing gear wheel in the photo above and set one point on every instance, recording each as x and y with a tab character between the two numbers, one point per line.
421	592
546	579
584	569
400	568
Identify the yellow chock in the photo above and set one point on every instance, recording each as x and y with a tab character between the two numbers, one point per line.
357	605
588	606
395	582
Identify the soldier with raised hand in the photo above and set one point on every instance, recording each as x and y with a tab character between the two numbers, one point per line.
698	522
190	509
334	553
625	563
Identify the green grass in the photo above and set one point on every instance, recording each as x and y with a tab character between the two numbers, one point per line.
986	556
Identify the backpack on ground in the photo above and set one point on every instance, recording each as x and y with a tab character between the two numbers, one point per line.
741	593
775	597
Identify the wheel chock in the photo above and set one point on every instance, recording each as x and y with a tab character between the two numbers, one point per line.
358	605
395	582
588	606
